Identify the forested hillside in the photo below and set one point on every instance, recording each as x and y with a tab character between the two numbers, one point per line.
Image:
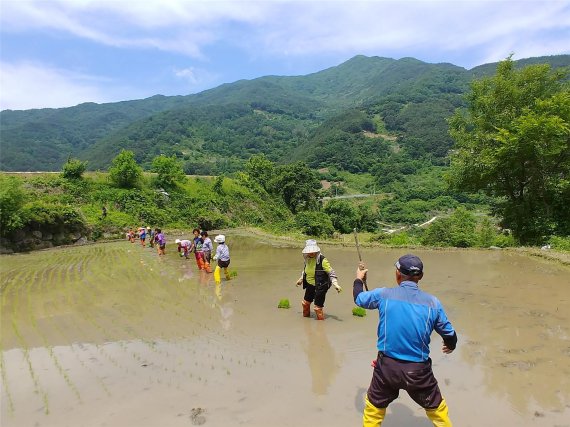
353	116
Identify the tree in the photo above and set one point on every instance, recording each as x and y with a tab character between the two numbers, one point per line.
260	169
169	171
297	184
513	141
73	168
314	223
344	216
125	172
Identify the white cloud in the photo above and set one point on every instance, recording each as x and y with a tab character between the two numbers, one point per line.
27	85
296	27
196	78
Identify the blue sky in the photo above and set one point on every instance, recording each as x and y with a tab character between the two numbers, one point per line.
59	53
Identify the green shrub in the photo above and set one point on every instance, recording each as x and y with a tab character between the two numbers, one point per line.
505	241
73	169
54	215
560	243
12	199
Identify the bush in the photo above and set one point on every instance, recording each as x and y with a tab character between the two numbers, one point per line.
73	169
12	199
505	241
53	215
560	243
458	230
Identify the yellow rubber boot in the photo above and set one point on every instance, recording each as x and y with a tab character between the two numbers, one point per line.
439	416
226	271
373	416
217	276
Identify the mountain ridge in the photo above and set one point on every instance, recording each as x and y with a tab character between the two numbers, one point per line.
273	115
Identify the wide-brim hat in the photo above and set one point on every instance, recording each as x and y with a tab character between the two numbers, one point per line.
177	241
311	247
220	238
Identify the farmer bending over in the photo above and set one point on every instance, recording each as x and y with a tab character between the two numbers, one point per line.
407	318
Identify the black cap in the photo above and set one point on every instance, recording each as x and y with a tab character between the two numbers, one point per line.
410	265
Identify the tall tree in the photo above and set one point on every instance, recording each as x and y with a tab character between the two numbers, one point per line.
297	185
513	141
169	171
125	172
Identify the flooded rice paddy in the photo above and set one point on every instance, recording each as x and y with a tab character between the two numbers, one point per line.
113	335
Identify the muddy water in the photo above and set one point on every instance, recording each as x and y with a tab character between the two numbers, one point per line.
113	335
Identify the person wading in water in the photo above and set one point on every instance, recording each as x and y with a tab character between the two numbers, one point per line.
317	278
408	316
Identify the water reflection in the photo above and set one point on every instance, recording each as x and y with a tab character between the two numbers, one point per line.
512	314
321	356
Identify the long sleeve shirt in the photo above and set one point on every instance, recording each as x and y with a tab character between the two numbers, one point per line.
408	316
223	252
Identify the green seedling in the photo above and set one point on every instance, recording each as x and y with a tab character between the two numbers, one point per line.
358	311
233	273
284	303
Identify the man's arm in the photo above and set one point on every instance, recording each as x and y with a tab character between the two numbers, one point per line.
444	328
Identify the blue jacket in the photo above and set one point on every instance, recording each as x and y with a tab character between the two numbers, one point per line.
408	316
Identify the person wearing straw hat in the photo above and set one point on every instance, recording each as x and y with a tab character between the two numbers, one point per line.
317	277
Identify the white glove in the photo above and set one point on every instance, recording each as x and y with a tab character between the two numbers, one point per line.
300	281
215	257
337	286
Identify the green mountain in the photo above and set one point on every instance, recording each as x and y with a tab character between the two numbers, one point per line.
347	116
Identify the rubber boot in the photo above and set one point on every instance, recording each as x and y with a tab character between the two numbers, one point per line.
207	267
226	271
306	308
373	416
319	312
439	416
200	262
217	276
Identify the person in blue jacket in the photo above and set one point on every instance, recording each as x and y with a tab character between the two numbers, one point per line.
408	316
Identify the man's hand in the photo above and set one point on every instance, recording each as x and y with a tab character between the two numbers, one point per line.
446	349
299	282
361	272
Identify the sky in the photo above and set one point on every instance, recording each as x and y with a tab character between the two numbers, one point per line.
60	53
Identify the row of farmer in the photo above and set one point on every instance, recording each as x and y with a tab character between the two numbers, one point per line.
155	238
201	246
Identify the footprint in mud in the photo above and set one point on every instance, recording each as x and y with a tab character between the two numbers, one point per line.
196	416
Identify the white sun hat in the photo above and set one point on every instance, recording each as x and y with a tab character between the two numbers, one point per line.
220	238
311	247
177	241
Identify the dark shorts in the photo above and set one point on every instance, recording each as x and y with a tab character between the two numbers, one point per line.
391	375
162	246
316	293
223	264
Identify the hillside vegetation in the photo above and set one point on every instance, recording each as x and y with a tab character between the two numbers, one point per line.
217	130
384	130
